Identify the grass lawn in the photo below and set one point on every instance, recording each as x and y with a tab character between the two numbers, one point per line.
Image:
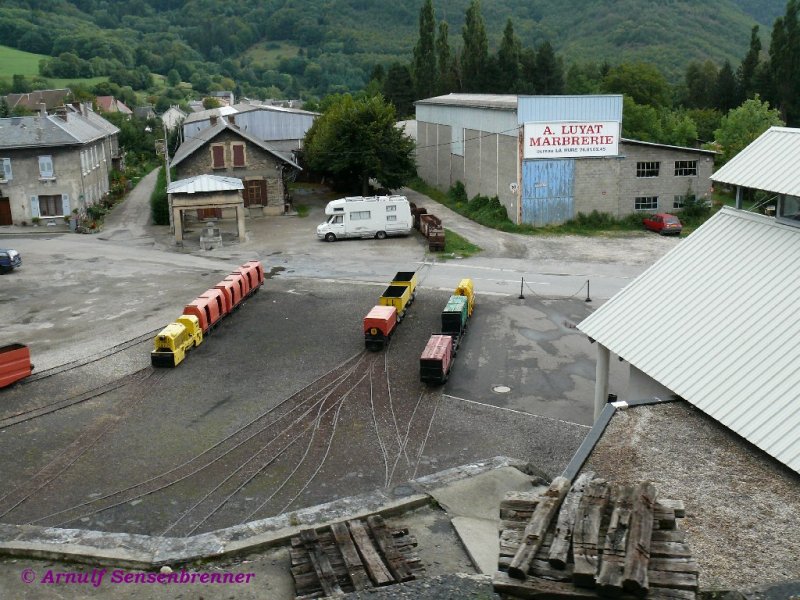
16	62
262	55
456	246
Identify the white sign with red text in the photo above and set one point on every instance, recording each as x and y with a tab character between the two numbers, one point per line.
571	139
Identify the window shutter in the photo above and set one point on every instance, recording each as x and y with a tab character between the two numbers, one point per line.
7	169
218	156
65	204
35	206
45	166
238	155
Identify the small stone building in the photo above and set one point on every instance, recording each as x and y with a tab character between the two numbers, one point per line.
206	193
228	151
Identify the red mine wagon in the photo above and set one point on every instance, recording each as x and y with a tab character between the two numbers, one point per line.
241	282
15	363
379	324
436	359
233	296
207	311
254	273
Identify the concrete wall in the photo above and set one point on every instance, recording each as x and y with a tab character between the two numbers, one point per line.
82	187
260	164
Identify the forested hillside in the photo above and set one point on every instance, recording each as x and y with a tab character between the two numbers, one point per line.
314	47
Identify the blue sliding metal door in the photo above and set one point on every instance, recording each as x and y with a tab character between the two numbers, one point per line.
547	191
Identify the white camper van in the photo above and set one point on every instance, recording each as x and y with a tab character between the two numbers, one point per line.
366	217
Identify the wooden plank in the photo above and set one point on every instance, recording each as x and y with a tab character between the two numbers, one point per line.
586	534
664	516
542	568
669	535
516	500
609	579
637	553
535	588
372	561
562	538
537	527
675	581
675	506
394	560
322	566
668	594
670	550
674	565
352	561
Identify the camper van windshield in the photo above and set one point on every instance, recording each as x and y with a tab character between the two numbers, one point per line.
335	219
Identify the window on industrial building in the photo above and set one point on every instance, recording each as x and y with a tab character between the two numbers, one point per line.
685	168
360	215
51	206
647	169
646	203
46	166
677	201
238	155
5	171
217	156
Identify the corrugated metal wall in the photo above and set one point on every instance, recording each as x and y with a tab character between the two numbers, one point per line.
536	109
547	191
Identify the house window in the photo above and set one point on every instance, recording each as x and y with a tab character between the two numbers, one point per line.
46	167
677	201
218	156
647	169
51	206
685	168
360	215
645	203
5	171
238	155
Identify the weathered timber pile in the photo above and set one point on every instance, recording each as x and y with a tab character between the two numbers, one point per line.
430	226
594	539
352	556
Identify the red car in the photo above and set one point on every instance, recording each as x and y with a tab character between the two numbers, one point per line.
663	223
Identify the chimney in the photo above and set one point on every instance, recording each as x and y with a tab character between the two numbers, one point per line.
231	120
213	120
61	113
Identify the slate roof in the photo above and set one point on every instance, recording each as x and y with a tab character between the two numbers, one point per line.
190	146
49	131
32	100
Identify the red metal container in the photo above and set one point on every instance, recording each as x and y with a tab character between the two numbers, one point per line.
206	310
437	359
254	272
230	292
217	297
241	281
15	363
379	324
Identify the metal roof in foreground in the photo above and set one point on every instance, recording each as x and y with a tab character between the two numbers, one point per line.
715	321
200	184
771	163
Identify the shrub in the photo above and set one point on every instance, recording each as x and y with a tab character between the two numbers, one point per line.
458	193
159	204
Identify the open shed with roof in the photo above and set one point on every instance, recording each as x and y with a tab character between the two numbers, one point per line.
206	192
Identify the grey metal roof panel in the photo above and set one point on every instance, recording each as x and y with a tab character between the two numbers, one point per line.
204	184
669	146
770	163
492	101
606	107
35	131
205	115
715	321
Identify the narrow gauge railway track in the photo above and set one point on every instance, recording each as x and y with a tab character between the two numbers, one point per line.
92	358
317	423
66	458
45	409
208	457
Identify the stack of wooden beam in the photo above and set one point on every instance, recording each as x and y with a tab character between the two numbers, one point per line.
594	539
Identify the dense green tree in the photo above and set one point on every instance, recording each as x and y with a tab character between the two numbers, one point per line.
746	73
744	124
424	66
583	78
444	61
701	84
399	89
173	77
707	122
355	140
784	56
475	53
508	59
20	84
643	82
527	71
726	91
549	71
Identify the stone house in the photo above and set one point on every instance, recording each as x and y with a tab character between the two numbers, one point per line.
52	166
225	150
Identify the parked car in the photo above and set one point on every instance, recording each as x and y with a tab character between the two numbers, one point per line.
9	260
663	223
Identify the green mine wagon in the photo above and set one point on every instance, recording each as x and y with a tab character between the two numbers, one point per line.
454	316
